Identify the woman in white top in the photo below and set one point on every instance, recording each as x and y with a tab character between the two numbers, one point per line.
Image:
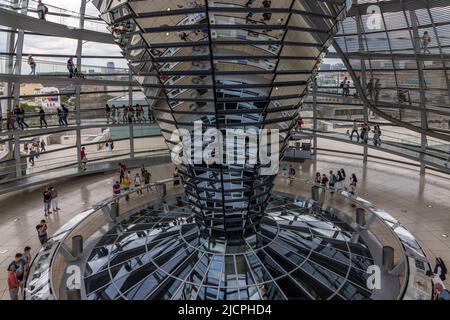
137	183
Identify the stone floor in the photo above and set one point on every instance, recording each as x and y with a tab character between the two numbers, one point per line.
421	203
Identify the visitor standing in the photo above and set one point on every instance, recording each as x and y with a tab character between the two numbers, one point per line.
41	229
176	177
32	65
426	40
354	130
291	174
333	180
13	283
108	113
147	178
54	200
47	196
83	157
42	10
137	183
353	184
70	67
126	187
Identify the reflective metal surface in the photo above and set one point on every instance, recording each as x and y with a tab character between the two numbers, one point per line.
229	65
300	252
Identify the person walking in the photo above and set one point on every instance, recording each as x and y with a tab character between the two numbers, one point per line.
60	114
333	180
32	65
18	118
47	196
10	121
13	283
42	10
54	200
110	145
147	176
353	184
41	229
324	181
42	120
291	174
42	144
176	177
137	183
342	85
354	130
108	113
121	172
369	89
65	115
125	114
347	89
22	116
377	89
83	157
70	67
377	136
117	190
426	40
126	187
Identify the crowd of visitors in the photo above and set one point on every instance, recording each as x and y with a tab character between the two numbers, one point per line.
362	132
34	149
123	183
128	114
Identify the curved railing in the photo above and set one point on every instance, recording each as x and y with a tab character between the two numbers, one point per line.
49	269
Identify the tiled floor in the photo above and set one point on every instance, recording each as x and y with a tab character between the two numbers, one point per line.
422	204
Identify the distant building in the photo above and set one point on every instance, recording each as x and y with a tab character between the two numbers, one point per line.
110	67
338	66
325	67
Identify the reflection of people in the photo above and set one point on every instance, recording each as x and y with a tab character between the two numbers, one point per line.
176	177
426	40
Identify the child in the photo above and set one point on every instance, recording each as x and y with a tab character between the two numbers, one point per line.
137	183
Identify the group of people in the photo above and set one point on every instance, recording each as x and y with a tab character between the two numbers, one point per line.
17	272
337	181
50	196
16	118
345	86
128	114
123	184
373	89
34	149
334	181
363	133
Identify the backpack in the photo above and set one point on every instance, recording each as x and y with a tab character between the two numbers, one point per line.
45	9
342	85
292	171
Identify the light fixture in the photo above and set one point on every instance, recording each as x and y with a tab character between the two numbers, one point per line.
444	235
430	206
167	33
168	9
